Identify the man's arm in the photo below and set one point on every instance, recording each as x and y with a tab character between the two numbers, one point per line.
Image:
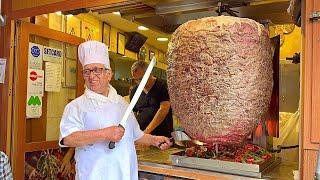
150	140
158	117
83	138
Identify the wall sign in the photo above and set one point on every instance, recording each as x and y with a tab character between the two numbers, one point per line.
35	56
52	54
53	77
90	31
35	82
35	92
73	26
2	69
34	106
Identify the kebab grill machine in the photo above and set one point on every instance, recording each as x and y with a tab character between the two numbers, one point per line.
220	81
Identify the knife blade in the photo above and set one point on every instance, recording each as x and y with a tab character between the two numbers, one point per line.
135	97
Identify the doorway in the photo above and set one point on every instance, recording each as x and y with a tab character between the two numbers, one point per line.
46	79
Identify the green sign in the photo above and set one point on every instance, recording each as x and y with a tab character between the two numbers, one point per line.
34	100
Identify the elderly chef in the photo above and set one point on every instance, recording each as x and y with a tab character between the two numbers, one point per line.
91	121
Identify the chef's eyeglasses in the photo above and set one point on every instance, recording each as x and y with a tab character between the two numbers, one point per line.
96	71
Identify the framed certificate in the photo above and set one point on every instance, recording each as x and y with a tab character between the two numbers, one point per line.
73	26
106	34
121	40
151	55
90	31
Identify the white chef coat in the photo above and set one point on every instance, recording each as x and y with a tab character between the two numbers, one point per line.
97	162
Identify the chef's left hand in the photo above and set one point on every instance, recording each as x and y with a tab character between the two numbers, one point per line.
162	142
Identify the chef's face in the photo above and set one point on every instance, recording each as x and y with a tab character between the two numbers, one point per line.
97	77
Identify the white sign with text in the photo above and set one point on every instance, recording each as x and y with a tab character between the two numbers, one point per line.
2	69
35	82
35	56
53	77
52	54
34	106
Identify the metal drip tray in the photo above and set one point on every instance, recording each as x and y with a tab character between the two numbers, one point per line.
236	168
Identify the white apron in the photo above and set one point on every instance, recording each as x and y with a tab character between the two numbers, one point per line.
94	162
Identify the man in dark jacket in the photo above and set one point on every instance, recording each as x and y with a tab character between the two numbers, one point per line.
152	110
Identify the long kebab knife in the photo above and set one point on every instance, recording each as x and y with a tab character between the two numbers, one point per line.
135	98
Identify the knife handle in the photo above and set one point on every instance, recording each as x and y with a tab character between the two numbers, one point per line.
112	144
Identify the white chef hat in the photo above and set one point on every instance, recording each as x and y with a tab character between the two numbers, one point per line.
91	52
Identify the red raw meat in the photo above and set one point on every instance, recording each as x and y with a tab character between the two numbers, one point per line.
220	77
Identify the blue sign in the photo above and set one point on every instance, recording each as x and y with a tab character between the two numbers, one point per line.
35	51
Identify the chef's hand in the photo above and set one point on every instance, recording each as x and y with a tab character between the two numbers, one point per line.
114	133
162	142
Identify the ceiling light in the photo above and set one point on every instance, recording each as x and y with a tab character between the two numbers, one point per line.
162	39
58	13
69	15
116	13
142	28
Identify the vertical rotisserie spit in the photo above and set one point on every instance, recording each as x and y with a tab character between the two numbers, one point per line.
220	77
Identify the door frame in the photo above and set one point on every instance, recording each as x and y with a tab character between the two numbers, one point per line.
20	146
6	95
310	96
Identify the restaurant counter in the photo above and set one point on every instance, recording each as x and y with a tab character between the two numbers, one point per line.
156	164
